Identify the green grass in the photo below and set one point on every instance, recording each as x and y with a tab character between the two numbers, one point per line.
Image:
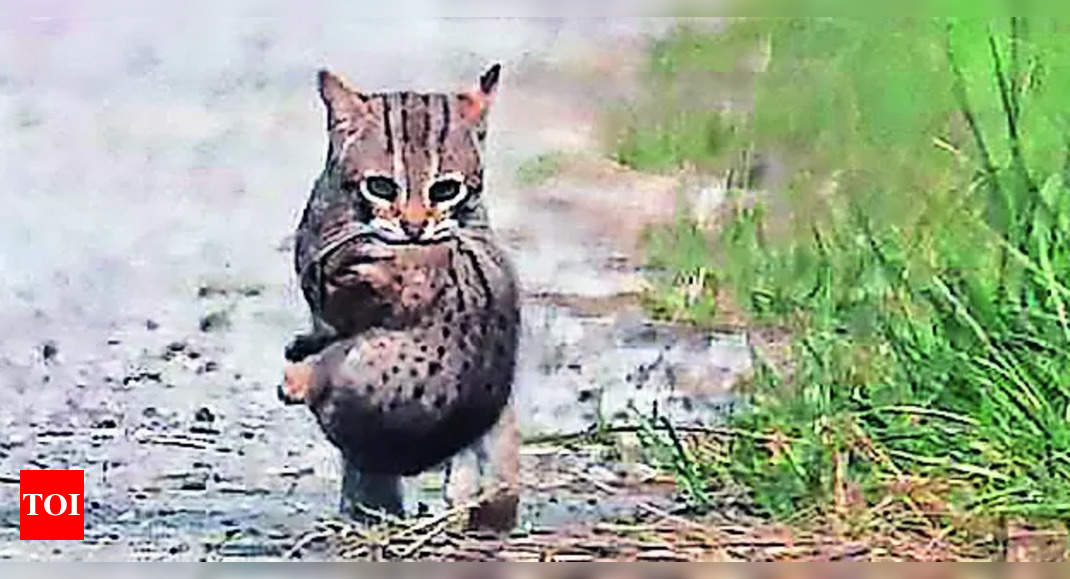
683	284
649	139
540	169
681	122
920	257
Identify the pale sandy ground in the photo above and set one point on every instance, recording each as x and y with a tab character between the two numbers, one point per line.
152	167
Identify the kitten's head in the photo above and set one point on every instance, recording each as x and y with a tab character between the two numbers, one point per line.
411	162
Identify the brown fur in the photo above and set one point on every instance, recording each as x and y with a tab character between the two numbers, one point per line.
414	304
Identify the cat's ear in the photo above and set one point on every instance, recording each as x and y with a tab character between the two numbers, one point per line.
489	81
478	100
344	104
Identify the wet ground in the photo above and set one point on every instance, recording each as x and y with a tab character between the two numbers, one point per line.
153	169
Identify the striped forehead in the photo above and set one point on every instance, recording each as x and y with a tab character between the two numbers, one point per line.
416	128
414	138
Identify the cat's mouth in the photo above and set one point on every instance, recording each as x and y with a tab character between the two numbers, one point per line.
394	240
414	241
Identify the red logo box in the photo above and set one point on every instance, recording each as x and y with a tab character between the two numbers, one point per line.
51	505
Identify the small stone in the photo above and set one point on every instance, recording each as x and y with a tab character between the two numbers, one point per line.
176	346
151	324
194	485
49	350
204	415
206	291
176	549
215	321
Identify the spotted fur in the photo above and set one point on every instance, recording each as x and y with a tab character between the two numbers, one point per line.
414	305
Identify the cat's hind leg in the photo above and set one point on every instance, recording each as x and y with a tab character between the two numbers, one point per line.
364	494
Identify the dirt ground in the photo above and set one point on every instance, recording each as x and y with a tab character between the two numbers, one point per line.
154	167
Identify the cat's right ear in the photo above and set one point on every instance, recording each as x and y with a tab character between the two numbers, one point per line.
343	103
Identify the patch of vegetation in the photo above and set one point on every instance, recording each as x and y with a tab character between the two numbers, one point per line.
683	283
682	122
921	259
540	169
654	140
697	467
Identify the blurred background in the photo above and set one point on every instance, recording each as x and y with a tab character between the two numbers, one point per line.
793	288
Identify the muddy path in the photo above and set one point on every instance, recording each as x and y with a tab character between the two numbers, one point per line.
151	178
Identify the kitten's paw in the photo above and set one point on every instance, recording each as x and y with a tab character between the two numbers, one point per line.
296	382
305	345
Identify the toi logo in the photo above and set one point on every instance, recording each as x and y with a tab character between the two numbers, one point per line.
51	505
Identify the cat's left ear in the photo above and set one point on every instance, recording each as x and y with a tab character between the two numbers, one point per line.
478	100
344	104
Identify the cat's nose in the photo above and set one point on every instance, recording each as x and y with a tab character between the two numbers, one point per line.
413	229
413	219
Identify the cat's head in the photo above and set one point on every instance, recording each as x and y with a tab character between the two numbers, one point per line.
412	162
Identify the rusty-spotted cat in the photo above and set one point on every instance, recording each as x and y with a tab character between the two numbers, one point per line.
414	304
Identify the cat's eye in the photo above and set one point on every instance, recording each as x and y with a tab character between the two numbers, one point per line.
445	190
381	187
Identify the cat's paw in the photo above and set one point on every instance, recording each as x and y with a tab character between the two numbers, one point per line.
497	512
305	345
